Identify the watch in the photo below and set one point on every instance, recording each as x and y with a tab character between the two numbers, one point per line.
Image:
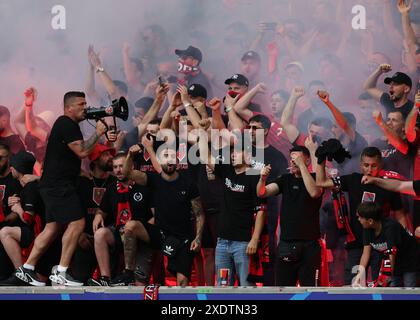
100	69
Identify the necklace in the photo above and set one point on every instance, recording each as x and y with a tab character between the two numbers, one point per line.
103	184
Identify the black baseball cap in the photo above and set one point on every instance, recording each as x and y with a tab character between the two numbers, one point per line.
197	90
190	52
251	55
23	162
399	77
239	79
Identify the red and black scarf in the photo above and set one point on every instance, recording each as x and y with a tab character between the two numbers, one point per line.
123	205
256	261
341	210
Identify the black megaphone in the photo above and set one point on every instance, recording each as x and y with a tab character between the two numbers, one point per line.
117	109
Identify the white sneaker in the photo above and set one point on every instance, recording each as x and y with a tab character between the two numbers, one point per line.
64	278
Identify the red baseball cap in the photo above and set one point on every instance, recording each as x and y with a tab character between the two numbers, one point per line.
98	150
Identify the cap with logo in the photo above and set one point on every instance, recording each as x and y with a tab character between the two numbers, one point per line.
251	55
399	77
190	52
239	79
197	90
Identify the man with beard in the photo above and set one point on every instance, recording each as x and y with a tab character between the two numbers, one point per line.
122	202
91	191
7	136
238	234
9	189
399	90
21	232
65	149
172	233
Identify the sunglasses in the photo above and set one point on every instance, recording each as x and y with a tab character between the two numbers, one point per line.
253	127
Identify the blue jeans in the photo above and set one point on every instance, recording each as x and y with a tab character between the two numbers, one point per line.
408	279
232	255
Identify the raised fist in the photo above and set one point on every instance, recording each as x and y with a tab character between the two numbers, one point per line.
215	104
30	96
384	67
323	95
204	124
134	149
261	87
298	92
265	171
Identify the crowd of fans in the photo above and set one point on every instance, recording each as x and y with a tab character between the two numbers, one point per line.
165	193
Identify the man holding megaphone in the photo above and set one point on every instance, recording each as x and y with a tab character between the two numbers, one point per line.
58	190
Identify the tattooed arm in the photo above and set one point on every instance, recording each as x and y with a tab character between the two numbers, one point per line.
199	219
83	148
136	175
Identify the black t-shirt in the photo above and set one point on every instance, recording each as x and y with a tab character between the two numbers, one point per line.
9	186
91	192
239	203
390	107
139	199
416	187
143	162
172	203
273	157
211	191
394	160
358	193
394	235
299	215
14	142
31	200
61	164
355	149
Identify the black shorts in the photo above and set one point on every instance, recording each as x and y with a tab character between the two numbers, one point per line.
26	236
183	260
62	204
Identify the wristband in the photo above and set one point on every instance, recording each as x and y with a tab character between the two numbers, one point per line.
186	105
227	109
